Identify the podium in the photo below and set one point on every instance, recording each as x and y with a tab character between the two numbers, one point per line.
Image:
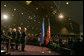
4	52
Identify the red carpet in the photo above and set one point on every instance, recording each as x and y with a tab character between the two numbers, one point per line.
34	50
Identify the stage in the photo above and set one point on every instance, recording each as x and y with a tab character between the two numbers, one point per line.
34	50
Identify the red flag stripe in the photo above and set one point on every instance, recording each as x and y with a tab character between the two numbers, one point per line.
48	35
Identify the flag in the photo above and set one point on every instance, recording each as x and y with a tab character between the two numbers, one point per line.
43	33
48	34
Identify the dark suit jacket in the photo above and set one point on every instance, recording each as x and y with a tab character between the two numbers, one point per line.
13	35
9	33
18	37
23	37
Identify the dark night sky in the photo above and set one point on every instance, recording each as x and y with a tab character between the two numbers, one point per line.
31	15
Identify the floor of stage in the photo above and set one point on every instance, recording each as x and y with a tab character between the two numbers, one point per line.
34	50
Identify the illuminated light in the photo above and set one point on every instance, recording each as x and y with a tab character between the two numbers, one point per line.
61	16
49	51
5	5
5	16
42	51
28	2
22	13
14	9
3	51
54	12
36	8
67	3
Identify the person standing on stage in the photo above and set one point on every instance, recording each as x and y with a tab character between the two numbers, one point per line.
13	38
23	39
9	34
18	37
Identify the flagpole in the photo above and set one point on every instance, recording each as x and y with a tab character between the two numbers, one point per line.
42	37
48	39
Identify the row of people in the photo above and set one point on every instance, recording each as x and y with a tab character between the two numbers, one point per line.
18	38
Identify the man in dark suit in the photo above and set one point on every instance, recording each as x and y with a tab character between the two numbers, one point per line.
18	37
9	34
23	39
13	37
